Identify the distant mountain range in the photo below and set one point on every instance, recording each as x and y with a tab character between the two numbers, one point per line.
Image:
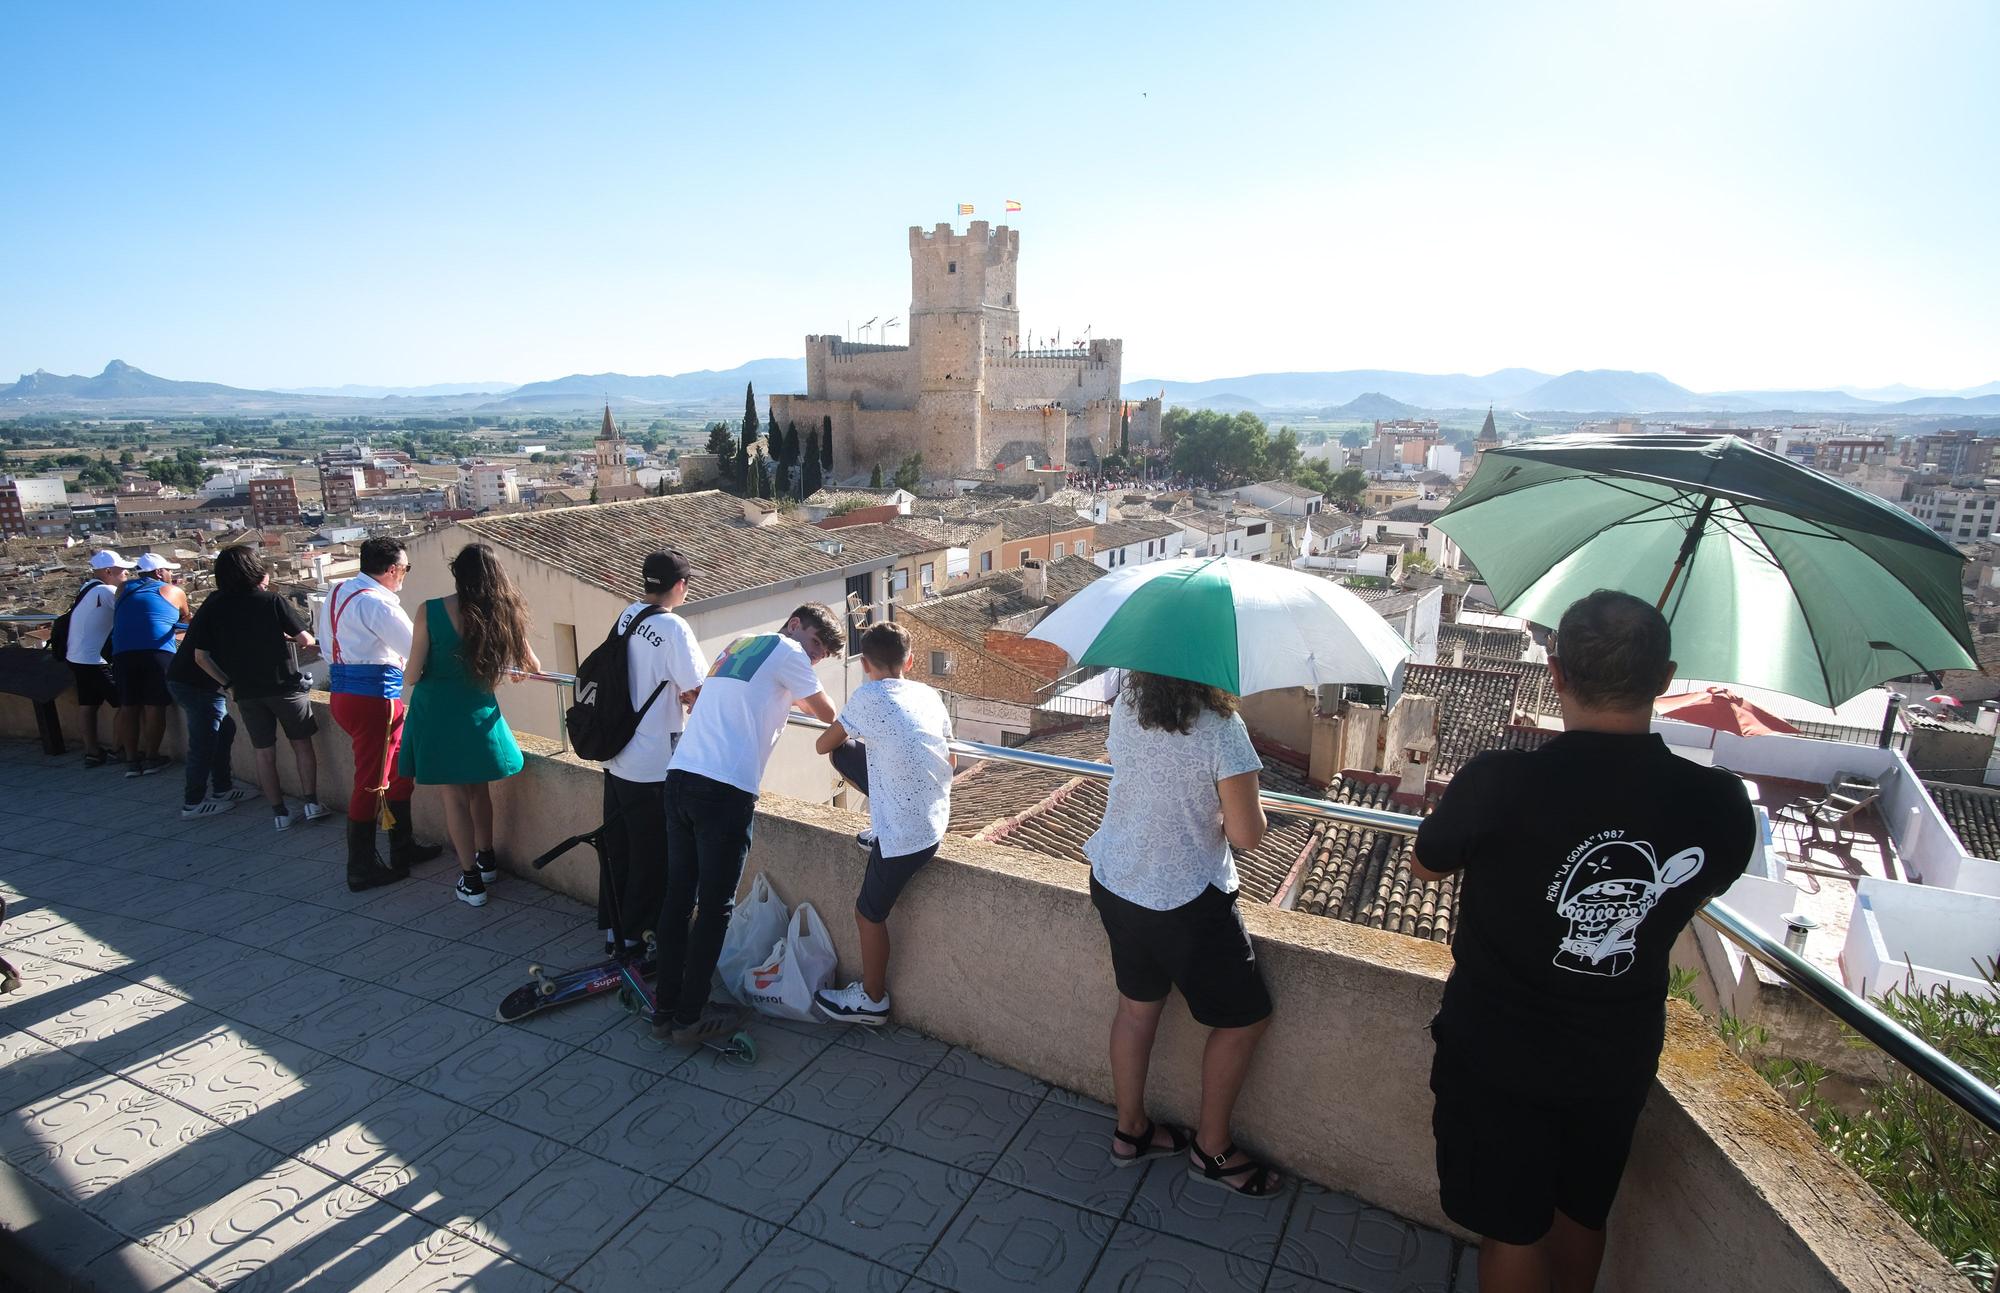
1600	390
1356	394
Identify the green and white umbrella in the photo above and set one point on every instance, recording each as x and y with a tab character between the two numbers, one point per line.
1770	574
1239	625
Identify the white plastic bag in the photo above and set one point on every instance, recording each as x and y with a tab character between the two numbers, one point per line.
800	964
758	921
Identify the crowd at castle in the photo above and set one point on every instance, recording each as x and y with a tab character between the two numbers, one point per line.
1580	862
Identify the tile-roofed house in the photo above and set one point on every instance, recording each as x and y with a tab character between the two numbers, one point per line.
971	639
1482	640
1973	812
1035	520
1473	707
1518	737
607	544
1122	533
1362	876
1538	687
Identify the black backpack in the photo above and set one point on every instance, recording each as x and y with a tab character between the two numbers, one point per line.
59	631
602	720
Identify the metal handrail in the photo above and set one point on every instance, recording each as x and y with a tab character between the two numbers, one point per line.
1943	1074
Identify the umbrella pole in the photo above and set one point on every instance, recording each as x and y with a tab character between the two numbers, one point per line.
1687	551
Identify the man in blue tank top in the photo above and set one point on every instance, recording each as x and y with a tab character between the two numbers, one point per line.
149	611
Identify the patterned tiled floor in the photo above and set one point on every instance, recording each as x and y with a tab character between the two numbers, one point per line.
224	1070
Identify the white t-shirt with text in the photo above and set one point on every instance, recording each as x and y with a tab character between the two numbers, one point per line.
1161	843
908	734
661	649
90	625
735	724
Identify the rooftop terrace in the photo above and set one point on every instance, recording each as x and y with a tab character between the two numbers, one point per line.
223	1069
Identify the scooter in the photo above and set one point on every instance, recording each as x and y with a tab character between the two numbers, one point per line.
546	988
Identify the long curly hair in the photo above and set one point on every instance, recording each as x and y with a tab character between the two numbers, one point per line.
1173	704
492	618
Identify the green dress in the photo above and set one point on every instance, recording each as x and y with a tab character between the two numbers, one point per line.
454	734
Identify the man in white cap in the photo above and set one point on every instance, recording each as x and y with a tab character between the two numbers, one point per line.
145	623
85	651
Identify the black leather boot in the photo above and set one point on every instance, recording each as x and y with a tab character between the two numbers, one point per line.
404	851
364	868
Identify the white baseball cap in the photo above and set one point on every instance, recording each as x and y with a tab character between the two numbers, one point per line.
154	561
106	559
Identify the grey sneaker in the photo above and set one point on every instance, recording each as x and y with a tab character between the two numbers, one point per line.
282	820
852	1005
313	810
717	1020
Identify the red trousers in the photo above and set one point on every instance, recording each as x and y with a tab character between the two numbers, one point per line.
375	726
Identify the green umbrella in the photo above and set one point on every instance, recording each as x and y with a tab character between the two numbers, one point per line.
1771	574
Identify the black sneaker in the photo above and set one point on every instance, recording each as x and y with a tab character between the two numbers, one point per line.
470	889
146	767
488	864
96	759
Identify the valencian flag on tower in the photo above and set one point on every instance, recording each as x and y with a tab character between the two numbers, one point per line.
1012	205
965	208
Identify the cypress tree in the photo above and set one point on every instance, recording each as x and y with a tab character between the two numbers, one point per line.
826	442
811	481
792	444
784	480
1125	434
749	416
875	477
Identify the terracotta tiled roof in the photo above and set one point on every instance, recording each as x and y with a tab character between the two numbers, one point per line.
992	601
1363	876
1474	706
1477	639
1538	688
605	545
1517	737
1973	812
1119	534
1034	520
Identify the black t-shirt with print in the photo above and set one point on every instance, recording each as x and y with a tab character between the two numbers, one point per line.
1581	863
246	633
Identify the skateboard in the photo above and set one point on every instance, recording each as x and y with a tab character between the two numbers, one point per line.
10	978
547	990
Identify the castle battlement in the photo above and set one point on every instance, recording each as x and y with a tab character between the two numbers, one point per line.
1080	360
977	234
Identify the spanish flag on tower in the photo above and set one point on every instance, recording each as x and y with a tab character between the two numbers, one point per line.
1012	206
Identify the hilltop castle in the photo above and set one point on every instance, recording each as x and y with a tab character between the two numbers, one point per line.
965	392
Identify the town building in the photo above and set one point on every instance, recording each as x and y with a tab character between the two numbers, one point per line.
1128	543
1960	513
34	507
612	469
1282	498
1951	453
488	485
1032	532
971	389
340	488
274	500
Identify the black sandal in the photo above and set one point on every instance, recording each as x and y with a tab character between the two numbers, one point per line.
1259	1181
1143	1148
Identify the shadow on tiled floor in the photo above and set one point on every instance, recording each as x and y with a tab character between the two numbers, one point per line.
224	1070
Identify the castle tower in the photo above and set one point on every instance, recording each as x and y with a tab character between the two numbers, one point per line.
962	309
611	454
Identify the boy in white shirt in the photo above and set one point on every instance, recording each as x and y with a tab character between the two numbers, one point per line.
666	666
893	743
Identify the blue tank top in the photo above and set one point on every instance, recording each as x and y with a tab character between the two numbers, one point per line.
144	619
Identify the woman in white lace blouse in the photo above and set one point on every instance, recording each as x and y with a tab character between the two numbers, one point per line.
1183	791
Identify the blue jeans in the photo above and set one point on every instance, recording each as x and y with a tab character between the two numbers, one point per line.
708	837
210	732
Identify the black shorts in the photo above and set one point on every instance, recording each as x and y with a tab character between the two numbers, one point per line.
1199	947
264	715
883	882
1507	1161
142	677
94	684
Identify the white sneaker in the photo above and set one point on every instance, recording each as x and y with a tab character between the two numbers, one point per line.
281	821
866	840
234	795
314	810
206	808
852	1005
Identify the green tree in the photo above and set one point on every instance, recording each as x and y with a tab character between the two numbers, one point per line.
125	458
826	442
721	441
1124	434
783	481
875	477
793	449
1216	447
1347	487
1282	456
911	473
814	480
749	416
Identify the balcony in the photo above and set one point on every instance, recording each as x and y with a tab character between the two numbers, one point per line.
223	1066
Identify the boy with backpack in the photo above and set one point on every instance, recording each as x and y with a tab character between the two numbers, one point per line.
632	695
893	743
85	633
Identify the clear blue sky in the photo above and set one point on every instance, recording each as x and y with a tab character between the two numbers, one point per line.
1771	194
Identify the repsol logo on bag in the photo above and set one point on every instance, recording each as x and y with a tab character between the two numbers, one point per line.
764	976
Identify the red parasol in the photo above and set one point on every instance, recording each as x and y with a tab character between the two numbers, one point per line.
1952	701
1725	711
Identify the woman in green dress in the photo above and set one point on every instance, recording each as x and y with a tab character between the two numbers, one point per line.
455	737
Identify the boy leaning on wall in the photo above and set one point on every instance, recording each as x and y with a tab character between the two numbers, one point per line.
893	743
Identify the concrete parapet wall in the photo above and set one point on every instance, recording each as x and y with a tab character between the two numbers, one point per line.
1000	951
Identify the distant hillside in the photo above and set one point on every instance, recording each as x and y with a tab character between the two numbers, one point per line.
1946	404
118	381
1227	401
704	386
1313	390
1371	407
1606	390
352	391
